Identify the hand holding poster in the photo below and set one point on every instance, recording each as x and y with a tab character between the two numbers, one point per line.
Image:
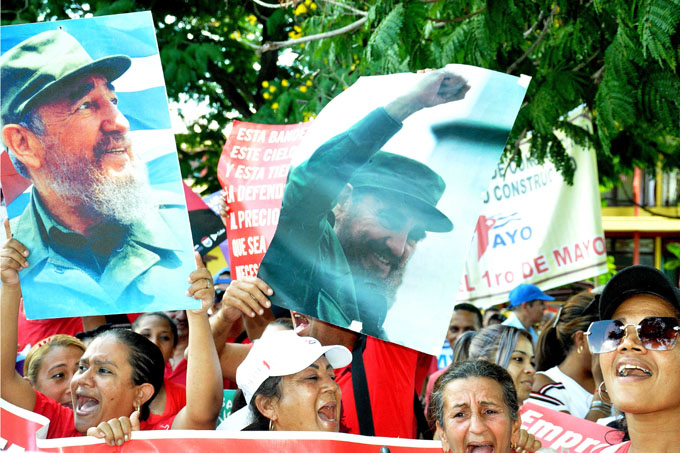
253	169
101	207
366	238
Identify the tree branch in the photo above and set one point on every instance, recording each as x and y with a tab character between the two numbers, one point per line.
515	150
274	5
531	29
587	62
457	19
544	32
342	5
597	77
646	208
274	45
293	2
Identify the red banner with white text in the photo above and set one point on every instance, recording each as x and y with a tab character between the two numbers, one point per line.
253	170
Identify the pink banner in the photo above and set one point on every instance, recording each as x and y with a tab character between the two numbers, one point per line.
253	170
564	432
556	430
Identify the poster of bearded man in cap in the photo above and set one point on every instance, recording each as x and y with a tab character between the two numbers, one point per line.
378	213
94	188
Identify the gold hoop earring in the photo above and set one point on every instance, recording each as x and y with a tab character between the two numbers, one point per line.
271	425
138	410
579	349
602	392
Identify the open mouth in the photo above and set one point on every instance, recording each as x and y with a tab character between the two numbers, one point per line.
486	447
85	405
626	370
301	322
327	412
379	264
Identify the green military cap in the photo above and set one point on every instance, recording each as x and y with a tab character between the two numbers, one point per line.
413	181
37	68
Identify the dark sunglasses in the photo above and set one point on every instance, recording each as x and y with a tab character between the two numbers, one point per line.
655	334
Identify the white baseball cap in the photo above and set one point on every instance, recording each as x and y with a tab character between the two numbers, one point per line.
281	353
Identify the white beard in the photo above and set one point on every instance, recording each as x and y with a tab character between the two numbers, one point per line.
124	198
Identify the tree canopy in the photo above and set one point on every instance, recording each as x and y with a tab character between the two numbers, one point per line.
269	62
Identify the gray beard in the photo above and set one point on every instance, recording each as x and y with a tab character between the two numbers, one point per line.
124	199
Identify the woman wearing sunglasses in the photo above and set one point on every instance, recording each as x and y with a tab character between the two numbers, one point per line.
639	357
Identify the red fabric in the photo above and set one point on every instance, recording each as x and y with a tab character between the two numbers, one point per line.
427	364
391	378
175	400
31	332
178	375
132	317
61	417
430	385
62	423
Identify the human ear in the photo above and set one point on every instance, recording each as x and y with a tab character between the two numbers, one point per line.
516	426
580	339
144	393
23	144
442	436
266	406
344	201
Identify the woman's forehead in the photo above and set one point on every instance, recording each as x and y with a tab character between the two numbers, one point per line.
153	321
641	306
106	346
473	389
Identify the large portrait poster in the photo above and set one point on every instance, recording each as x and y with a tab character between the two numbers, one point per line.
536	228
376	218
96	190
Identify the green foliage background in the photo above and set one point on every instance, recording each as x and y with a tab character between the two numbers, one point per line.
619	58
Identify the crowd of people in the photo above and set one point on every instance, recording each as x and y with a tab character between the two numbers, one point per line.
610	356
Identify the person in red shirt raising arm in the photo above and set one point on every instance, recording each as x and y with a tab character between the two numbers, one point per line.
120	372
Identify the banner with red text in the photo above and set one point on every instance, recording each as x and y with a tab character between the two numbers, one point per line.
556	430
566	433
253	170
535	228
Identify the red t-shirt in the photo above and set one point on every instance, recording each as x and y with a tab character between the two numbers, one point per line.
31	332
175	400
62	423
178	375
391	378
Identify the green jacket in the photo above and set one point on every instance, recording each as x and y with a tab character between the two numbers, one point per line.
305	263
145	271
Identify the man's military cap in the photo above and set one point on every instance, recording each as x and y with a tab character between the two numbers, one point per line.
37	68
418	185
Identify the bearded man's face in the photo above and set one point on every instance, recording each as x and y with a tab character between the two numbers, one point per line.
88	159
378	237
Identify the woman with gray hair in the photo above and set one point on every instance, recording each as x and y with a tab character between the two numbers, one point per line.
475	407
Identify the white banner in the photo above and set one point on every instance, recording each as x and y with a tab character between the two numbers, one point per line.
536	229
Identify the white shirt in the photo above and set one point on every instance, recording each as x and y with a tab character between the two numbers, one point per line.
564	394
